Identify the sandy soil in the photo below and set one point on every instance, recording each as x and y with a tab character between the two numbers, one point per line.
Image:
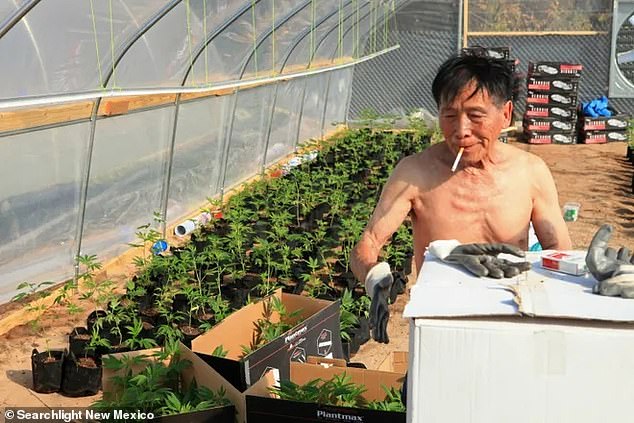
597	176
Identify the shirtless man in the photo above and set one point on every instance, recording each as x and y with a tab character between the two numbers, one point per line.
493	195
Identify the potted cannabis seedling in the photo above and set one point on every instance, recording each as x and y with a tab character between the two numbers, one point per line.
46	367
82	373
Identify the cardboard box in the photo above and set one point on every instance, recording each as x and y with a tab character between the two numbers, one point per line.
540	347
550	138
552	99
263	407
546	111
618	122
316	333
555	69
395	362
552	125
550	84
572	264
204	375
601	137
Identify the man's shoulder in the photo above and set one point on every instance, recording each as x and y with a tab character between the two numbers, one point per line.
421	163
520	157
429	154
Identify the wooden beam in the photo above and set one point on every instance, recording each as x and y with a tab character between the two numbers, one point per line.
41	116
465	24
20	119
534	33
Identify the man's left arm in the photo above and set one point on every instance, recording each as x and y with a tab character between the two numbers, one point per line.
549	224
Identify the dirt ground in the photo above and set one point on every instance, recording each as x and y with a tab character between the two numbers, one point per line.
596	176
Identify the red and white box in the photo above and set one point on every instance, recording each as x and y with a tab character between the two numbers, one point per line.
570	70
536	110
601	137
552	85
602	123
533	137
570	263
552	125
548	98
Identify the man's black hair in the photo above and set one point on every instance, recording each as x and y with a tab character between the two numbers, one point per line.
491	75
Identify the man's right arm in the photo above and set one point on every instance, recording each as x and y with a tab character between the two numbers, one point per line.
546	216
393	206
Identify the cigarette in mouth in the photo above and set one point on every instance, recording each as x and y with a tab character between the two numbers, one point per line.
455	163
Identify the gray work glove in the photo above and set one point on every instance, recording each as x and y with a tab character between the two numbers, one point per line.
613	270
378	283
480	259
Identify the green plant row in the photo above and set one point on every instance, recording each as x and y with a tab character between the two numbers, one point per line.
295	232
338	391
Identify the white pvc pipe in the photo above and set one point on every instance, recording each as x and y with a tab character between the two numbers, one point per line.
189	225
185	228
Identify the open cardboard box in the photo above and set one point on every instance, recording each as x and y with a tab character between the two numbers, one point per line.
204	375
539	347
316	333
396	362
264	407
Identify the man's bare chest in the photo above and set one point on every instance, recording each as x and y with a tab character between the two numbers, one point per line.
474	213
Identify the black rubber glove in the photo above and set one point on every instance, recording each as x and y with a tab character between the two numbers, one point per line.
398	286
613	270
378	283
482	260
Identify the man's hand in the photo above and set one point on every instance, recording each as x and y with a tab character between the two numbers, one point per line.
378	283
481	259
614	270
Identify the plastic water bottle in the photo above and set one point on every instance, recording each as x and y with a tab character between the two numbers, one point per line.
159	246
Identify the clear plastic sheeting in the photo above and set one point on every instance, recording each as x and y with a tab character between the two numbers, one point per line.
312	112
338	87
248	134
58	46
228	51
83	180
127	177
9	7
284	126
355	31
197	159
42	173
302	52
161	57
272	49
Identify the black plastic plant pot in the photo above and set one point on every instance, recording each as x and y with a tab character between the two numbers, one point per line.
82	376
92	318
78	339
150	315
180	303
149	330
189	333
146	301
47	367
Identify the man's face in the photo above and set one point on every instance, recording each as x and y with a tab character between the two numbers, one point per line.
473	122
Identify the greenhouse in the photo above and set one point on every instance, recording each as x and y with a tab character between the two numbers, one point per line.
205	158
